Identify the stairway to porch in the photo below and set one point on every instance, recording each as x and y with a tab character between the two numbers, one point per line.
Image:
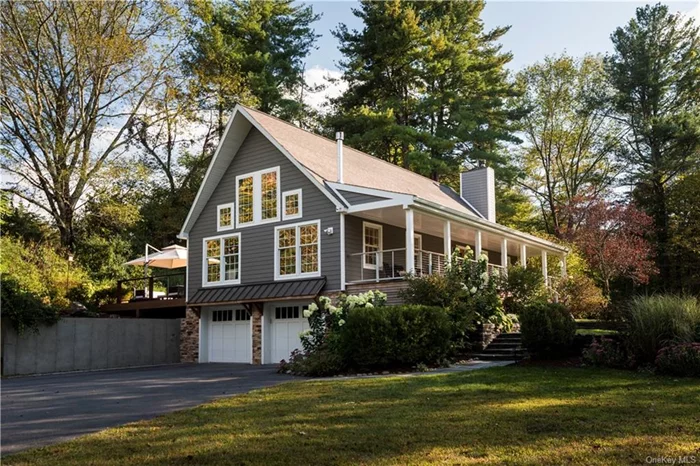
505	347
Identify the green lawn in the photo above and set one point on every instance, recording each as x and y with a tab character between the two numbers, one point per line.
597	332
508	415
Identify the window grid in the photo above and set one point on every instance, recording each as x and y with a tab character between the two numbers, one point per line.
213	262
287	251
292	204
287	312
226	216
372	239
309	248
223	259
245	200
269	195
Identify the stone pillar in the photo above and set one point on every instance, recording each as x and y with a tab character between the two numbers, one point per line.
257	315
189	335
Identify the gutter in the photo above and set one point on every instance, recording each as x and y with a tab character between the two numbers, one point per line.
487	226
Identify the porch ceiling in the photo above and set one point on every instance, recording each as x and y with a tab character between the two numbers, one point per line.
434	225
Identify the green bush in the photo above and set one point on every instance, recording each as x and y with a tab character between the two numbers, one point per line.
547	328
683	360
319	363
25	310
521	286
396	336
655	322
582	297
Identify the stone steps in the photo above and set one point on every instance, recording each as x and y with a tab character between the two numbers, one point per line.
505	347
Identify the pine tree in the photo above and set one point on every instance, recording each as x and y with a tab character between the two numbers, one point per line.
427	86
250	52
654	69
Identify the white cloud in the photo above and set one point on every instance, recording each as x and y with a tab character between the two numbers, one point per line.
322	76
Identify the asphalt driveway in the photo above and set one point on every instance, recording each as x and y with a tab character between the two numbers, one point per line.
52	408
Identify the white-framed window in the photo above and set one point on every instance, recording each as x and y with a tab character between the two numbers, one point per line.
298	250
291	204
418	252
222	260
371	243
224	216
258	197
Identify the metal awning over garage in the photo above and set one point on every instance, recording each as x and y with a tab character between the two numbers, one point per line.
307	288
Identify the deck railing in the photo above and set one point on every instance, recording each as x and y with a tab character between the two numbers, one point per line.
168	286
390	264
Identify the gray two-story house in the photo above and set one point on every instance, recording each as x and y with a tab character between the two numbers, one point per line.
284	215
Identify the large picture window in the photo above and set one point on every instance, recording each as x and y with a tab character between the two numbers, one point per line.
222	260
257	197
297	250
371	245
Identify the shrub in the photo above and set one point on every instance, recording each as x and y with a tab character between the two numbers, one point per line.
608	353
582	297
547	328
396	336
319	363
25	310
655	322
682	359
521	286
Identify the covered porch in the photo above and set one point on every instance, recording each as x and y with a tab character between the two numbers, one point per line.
379	241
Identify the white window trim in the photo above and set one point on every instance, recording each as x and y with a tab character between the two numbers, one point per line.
298	255
284	204
257	197
205	275
364	244
232	206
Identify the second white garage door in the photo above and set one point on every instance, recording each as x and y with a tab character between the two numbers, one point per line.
230	336
286	322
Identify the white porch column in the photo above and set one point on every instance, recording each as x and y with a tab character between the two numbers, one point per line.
523	255
447	239
544	265
410	242
504	253
563	266
342	251
477	244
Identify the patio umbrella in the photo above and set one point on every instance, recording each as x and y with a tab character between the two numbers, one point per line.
171	257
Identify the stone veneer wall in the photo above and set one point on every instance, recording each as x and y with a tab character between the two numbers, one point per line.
189	335
256	315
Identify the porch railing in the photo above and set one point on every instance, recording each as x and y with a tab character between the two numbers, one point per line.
390	264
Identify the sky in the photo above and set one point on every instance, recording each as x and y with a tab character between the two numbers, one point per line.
537	29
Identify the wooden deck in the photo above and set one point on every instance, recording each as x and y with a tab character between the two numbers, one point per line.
144	304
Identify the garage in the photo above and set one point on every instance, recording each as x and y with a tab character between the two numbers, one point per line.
285	322
230	335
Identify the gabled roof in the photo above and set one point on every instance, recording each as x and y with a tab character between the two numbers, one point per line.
316	157
319	155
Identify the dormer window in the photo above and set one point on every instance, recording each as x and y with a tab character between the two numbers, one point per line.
224	217
257	197
292	204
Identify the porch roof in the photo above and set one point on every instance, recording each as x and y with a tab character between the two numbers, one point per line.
254	292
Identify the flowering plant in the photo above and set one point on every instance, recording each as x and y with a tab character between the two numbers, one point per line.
325	319
681	359
608	353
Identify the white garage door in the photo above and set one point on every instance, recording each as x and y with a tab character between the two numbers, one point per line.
229	336
286	323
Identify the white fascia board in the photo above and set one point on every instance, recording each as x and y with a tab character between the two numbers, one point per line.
199	200
290	157
368	191
379	205
490	227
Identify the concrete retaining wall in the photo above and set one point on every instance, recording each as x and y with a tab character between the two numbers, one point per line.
88	344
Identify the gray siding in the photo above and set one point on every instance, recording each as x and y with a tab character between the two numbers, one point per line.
257	242
478	188
357	198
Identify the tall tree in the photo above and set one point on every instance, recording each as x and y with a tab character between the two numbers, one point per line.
570	137
250	52
654	70
74	75
427	87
